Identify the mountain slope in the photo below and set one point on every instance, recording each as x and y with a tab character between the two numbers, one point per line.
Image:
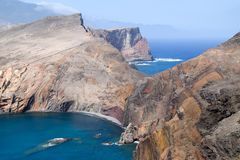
55	64
190	111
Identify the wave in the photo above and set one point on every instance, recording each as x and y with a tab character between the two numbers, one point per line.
155	60
142	64
111	144
116	143
167	60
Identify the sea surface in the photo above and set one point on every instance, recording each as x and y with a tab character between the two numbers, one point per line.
169	53
28	137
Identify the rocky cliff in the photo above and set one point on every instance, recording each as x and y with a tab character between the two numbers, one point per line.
128	41
191	111
55	64
188	112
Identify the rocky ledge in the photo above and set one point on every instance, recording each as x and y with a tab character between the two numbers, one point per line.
128	41
191	111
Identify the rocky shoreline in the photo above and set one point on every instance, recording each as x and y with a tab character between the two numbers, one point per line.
101	116
58	65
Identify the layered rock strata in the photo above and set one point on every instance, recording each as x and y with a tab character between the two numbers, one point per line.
188	112
191	111
55	64
128	41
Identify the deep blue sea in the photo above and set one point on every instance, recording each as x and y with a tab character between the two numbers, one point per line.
168	53
27	136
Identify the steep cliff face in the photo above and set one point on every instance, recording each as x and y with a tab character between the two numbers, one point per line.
188	112
55	64
191	111
128	41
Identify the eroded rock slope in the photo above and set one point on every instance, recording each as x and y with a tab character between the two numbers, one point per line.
191	111
55	64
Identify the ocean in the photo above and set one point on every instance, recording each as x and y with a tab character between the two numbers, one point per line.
60	136
169	53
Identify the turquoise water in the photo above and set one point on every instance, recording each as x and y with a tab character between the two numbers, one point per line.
22	137
169	53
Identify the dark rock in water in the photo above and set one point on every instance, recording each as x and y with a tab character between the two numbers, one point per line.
99	135
56	141
51	143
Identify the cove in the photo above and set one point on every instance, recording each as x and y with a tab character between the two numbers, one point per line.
31	136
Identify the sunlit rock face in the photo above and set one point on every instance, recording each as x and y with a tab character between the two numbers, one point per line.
55	64
128	41
188	112
192	110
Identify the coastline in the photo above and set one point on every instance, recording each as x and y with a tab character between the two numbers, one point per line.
92	114
101	116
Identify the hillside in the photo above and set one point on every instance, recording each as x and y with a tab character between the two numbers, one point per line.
190	111
55	64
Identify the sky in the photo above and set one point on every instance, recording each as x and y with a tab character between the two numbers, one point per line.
211	15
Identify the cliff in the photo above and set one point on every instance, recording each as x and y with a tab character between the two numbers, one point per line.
191	111
128	41
188	112
55	64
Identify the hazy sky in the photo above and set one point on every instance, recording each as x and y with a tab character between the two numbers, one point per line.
197	14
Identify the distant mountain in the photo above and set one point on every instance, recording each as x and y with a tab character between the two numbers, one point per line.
14	11
155	31
149	31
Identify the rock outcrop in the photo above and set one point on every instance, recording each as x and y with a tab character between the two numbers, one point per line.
128	41
191	111
130	135
55	64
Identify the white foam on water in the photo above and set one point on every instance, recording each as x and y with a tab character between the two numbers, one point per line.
155	60
142	64
167	60
111	144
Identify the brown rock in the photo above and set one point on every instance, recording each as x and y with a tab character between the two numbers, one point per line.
55	64
197	102
128	41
